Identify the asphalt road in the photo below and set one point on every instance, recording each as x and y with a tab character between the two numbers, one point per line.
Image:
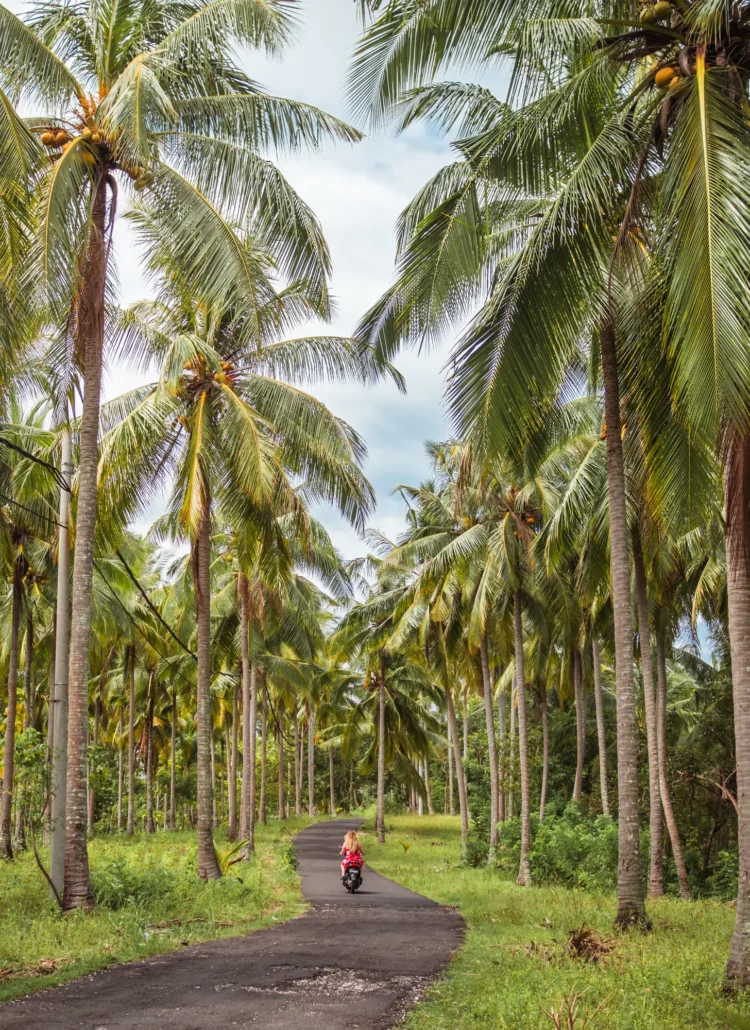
351	961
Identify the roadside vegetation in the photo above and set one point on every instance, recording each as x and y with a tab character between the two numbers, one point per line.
525	952
149	901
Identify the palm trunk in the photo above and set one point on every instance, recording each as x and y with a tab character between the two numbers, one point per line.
249	723
463	805
630	904
331	784
600	732
661	747
428	787
310	760
150	758
28	675
90	327
656	867
524	869
62	656
208	866
465	725
512	749
501	754
451	800
131	743
489	714
6	803
545	752
575	663
263	756
91	818
380	810
120	774
232	788
280	751
173	768
214	805
297	764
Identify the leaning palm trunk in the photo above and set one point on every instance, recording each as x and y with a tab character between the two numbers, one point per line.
630	904
656	868
310	760
489	714
524	868
380	808
600	733
6	846
545	753
661	747
131	744
208	866
575	664
90	327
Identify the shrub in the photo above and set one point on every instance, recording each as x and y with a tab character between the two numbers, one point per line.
288	856
118	885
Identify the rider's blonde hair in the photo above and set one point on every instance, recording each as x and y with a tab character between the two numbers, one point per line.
351	842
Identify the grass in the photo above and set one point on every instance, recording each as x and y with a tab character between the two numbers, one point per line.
150	901
514	963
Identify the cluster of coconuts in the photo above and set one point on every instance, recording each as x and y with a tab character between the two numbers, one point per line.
226	370
56	138
652	13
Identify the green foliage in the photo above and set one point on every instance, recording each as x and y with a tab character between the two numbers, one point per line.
287	857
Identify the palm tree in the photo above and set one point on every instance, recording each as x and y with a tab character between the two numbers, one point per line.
150	100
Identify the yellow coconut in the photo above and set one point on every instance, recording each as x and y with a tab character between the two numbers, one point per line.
664	76
48	138
61	137
96	137
662	10
86	133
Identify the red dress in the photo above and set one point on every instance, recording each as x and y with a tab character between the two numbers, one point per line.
353	858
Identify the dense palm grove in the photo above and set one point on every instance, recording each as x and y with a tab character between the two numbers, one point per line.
556	648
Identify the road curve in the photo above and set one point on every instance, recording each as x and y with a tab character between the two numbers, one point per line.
349	962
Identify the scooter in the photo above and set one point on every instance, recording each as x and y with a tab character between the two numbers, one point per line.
352	878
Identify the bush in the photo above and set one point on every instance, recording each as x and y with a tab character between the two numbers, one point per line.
118	885
288	857
722	883
566	849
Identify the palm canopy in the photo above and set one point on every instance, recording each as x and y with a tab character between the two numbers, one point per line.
150	97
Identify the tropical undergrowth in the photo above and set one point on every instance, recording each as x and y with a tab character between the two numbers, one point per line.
516	966
149	900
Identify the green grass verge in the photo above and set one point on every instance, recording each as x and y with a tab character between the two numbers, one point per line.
151	901
514	964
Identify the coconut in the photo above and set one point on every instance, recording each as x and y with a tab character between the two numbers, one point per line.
675	81
220	377
662	10
664	76
96	137
86	133
47	138
647	16
61	137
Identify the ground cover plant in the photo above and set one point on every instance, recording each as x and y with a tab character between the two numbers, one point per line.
518	963
149	901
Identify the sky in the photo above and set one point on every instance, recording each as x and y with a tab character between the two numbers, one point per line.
357	192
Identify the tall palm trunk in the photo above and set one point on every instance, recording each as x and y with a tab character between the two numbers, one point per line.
451	800
28	673
214	800
297	764
661	747
90	327
428	788
6	803
630	904
310	760
463	804
263	755
501	754
600	733
575	664
249	723
489	714
150	757
61	663
120	773
465	723
173	767
545	751
656	865
512	748
130	829
280	751
91	818
232	788
331	784
208	866
524	868
380	806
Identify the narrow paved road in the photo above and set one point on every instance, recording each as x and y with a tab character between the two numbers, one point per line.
356	961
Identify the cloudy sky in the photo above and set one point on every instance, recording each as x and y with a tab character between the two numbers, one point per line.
358	193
